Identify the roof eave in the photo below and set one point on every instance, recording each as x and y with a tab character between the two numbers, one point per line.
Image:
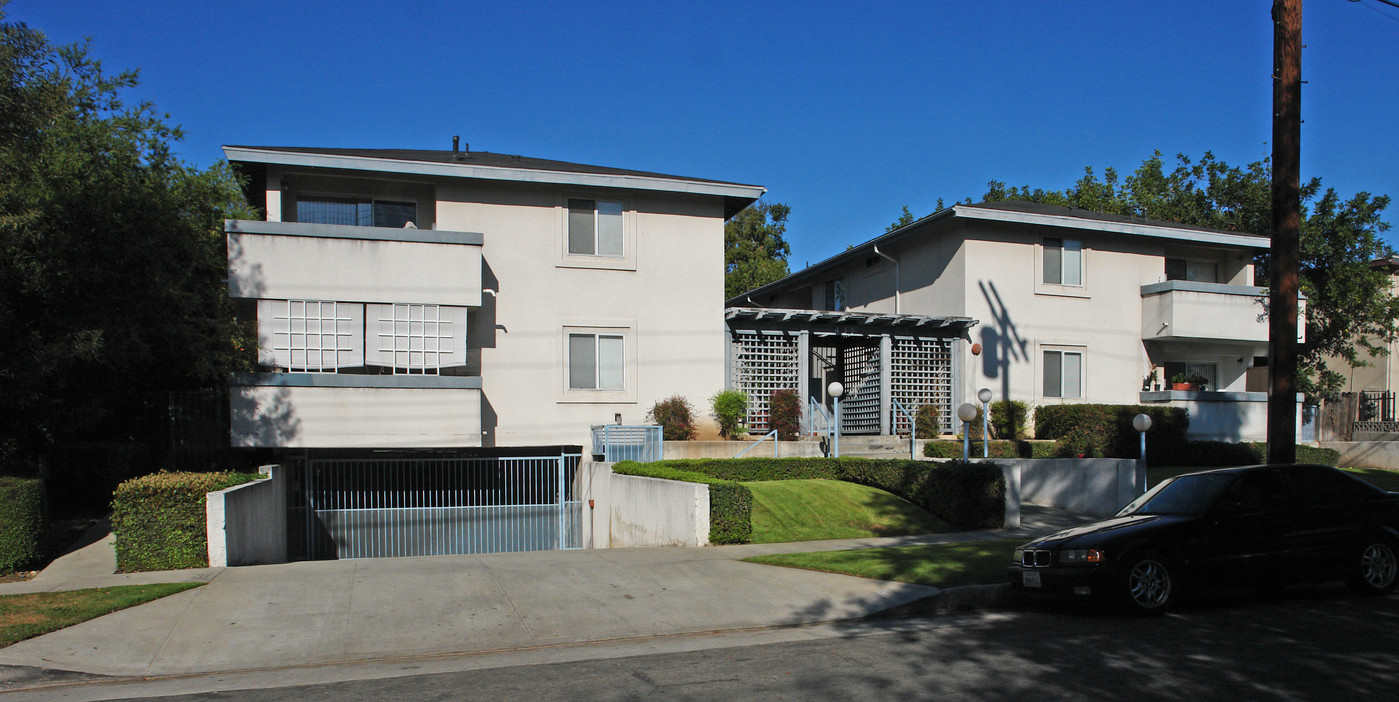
733	193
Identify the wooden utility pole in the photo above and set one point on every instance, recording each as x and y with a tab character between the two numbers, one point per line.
1287	226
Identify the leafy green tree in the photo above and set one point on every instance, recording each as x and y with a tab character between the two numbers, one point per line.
111	253
755	247
1350	310
905	219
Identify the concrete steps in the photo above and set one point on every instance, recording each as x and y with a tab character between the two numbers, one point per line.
874	446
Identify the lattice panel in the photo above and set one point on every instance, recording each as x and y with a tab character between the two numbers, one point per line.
921	373
859	408
419	338
761	364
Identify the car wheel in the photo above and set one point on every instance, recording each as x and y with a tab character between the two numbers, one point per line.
1148	586
1374	568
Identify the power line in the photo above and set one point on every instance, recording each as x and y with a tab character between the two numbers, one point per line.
1381	13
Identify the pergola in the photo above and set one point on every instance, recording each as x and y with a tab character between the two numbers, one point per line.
890	364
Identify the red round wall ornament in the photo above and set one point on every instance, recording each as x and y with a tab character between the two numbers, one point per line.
976	349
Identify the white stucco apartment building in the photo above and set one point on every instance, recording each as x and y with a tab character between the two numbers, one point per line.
471	307
1068	306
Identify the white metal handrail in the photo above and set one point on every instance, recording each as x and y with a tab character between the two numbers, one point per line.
759	441
912	427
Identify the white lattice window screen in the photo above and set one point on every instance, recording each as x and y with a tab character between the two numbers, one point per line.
419	338
764	363
859	408
313	336
921	374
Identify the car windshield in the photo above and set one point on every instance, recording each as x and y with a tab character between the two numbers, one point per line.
1186	494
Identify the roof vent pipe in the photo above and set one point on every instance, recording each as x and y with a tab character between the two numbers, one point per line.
898	309
456	144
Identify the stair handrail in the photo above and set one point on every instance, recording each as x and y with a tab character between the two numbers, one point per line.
759	441
912	427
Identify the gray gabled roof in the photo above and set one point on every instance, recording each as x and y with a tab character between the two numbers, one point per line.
493	166
1032	213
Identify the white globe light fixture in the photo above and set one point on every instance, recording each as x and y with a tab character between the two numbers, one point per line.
984	395
966	413
835	390
1142	423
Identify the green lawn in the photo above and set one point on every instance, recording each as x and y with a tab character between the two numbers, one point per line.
810	510
27	616
939	565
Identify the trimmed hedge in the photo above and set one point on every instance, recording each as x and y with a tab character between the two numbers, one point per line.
730	504
21	521
1096	431
998	449
957	492
1215	454
159	519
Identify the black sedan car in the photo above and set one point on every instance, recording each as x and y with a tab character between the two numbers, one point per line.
1253	526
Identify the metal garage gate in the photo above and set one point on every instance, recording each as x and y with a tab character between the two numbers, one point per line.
387	507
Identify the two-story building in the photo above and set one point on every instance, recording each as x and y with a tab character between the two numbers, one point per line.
475	311
1067	306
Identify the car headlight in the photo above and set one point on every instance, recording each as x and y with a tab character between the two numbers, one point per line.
1080	555
1019	555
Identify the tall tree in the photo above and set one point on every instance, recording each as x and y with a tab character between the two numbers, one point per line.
755	247
111	252
1350	310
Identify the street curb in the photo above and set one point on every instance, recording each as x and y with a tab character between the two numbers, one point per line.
954	599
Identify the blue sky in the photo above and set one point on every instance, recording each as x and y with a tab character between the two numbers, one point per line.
845	111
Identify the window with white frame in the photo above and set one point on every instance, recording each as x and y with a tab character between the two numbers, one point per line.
417	339
596	361
315	336
355	211
1063	374
595	228
1063	262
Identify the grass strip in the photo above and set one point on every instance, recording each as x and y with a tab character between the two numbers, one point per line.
938	565
33	614
812	510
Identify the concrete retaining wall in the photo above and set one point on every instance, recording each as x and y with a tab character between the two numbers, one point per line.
1095	486
247	524
1366	454
622	511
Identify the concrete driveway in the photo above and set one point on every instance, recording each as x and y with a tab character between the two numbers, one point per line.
335	611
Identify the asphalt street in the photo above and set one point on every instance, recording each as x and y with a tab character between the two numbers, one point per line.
1302	644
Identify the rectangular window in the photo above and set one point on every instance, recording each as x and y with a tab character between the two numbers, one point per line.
1063	262
1063	374
595	362
1195	371
595	228
355	211
1195	271
835	295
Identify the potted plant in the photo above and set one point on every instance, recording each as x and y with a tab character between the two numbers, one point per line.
1181	381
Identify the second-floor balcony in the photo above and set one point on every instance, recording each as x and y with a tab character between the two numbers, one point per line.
1191	311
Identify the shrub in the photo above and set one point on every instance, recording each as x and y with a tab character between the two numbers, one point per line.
159	520
998	449
927	421
676	417
969	495
730	411
21	521
1008	419
1217	454
786	407
1106	430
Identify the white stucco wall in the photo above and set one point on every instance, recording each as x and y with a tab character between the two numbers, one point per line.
625	511
247	524
354	417
664	297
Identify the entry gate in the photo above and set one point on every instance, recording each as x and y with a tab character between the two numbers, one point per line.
387	507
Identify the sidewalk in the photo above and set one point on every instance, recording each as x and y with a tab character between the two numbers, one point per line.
332	611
